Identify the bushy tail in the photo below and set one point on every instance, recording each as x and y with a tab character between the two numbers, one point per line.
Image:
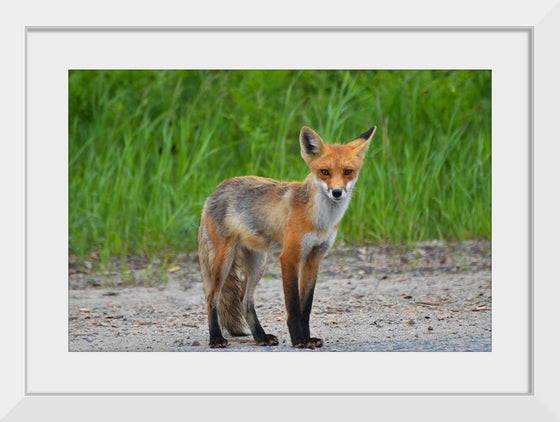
230	306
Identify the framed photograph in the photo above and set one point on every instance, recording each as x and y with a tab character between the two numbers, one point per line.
516	378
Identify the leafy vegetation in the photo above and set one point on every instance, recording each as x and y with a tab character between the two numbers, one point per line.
147	147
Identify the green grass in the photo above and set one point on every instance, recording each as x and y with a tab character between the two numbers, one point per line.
147	147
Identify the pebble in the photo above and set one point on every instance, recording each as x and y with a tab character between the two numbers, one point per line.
148	309
195	343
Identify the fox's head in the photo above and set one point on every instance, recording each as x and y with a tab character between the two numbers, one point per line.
335	168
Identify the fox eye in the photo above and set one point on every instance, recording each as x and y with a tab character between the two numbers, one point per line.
348	172
325	172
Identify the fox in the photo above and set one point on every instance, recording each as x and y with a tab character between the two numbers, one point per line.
248	217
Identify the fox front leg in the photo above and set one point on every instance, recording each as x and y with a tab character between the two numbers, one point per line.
299	329
309	271
289	263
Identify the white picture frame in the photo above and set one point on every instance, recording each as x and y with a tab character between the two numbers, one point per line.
538	402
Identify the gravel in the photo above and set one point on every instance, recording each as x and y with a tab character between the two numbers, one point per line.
430	297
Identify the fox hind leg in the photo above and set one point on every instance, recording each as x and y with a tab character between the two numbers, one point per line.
223	261
255	265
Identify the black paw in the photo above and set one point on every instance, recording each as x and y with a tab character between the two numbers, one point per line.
268	340
311	343
317	342
218	342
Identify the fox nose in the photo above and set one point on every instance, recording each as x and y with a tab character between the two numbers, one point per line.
337	193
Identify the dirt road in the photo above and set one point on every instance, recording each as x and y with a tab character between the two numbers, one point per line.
431	297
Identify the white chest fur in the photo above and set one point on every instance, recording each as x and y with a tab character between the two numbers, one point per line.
322	240
326	215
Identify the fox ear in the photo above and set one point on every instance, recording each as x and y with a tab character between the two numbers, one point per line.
361	143
312	146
